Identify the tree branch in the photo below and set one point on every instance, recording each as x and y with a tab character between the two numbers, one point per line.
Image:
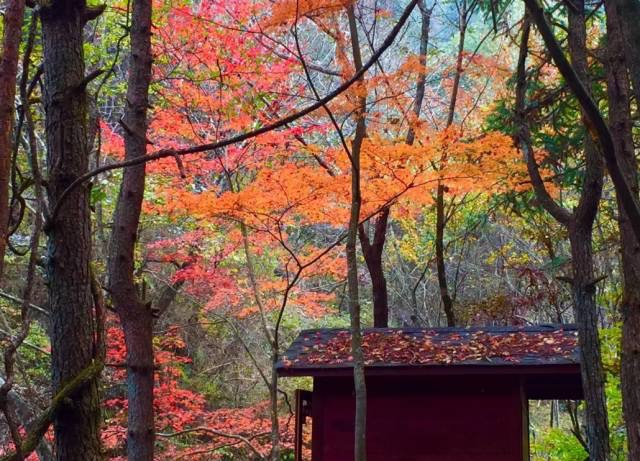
163	153
595	121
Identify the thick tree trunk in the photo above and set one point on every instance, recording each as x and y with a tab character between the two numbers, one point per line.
77	423
135	315
620	127
580	236
12	31
629	12
138	334
579	223
586	314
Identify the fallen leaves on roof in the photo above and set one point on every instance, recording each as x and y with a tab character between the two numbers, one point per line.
435	347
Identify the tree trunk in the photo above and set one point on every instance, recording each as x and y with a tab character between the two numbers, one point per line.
138	334
77	423
372	252
135	315
586	313
360	387
12	31
579	223
580	236
441	223
425	27
458	75
620	127
629	13
447	302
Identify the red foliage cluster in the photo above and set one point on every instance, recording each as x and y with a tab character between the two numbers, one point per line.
397	347
232	429
182	411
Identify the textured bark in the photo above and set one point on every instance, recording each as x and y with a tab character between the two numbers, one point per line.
580	237
360	425
135	315
12	28
618	93
76	423
586	317
372	250
629	13
579	224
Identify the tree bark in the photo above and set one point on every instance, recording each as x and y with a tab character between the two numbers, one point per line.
77	422
629	13
135	315
580	237
586	316
360	425
12	32
579	224
620	125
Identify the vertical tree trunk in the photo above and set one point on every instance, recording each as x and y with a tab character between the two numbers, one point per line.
629	13
579	223
586	313
620	127
447	302
77	424
372	251
360	425
441	219
580	230
462	25
135	315
12	31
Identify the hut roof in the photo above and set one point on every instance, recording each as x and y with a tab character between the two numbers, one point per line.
446	350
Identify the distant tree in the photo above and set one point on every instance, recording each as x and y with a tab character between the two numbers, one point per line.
9	56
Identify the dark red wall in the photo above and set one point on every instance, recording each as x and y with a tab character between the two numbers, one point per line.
423	419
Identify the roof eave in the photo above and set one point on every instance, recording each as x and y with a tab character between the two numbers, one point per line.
432	370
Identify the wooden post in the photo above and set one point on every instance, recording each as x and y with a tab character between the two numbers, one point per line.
303	409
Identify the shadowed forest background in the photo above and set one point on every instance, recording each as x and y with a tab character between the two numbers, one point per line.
186	185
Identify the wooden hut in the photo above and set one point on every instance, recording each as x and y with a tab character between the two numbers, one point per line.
439	394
